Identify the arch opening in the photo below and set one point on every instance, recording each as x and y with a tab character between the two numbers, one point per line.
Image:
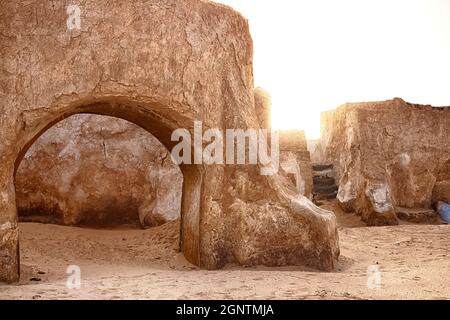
98	171
149	210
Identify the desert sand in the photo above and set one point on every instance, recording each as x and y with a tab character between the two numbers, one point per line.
414	261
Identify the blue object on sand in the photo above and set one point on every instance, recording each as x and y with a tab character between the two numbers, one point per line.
444	211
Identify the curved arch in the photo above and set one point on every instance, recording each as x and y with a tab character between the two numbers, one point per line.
142	115
160	127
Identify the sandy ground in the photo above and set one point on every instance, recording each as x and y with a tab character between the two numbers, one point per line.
414	261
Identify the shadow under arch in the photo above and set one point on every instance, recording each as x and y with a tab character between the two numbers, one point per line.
161	127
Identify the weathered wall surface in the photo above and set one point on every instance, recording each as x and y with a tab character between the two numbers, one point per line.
388	154
314	148
263	106
295	161
98	171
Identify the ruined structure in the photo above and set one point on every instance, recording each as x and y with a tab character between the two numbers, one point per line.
295	161
98	171
389	156
161	65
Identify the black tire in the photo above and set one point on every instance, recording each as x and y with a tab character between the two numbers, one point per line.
323	181
325	189
322	167
327	196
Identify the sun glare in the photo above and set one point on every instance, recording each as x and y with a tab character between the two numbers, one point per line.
313	56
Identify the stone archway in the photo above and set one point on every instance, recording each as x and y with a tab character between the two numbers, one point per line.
98	172
161	65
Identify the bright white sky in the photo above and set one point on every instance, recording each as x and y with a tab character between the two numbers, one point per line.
313	55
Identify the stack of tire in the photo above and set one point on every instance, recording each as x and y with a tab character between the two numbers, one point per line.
324	183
